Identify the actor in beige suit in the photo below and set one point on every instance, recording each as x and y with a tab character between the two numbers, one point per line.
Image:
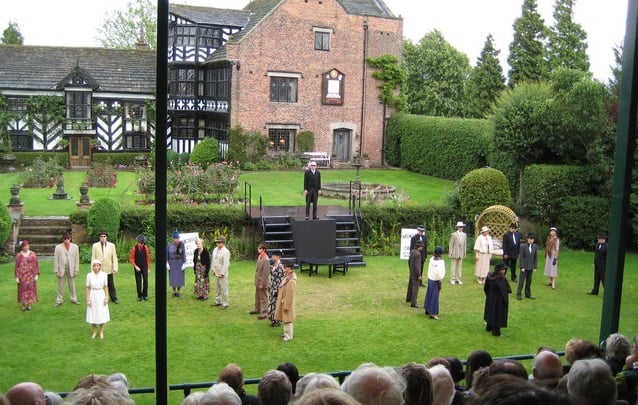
458	250
66	265
105	252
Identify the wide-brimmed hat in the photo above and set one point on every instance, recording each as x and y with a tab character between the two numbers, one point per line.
499	267
460	223
220	239
175	234
485	229
438	251
96	261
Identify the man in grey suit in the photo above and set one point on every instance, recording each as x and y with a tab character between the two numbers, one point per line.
457	251
66	265
528	254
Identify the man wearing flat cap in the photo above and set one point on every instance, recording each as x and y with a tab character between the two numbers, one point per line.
105	252
600	262
420	237
140	258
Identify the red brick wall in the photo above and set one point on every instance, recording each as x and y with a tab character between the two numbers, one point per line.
284	42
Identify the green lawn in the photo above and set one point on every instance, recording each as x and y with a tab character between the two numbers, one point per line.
342	322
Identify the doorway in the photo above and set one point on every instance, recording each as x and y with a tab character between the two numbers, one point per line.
79	151
342	144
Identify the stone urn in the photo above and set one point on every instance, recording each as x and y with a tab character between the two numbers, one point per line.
8	162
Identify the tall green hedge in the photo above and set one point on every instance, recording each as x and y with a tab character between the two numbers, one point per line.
546	186
581	219
5	225
447	148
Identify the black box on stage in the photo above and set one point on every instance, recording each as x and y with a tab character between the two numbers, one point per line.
316	238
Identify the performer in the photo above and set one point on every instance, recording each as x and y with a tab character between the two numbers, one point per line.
414	263
497	291
600	262
420	236
312	188
529	263
511	246
457	251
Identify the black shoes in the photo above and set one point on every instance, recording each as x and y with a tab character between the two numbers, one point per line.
415	306
592	292
531	297
518	297
115	301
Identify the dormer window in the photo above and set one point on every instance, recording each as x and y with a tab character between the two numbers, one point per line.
78	105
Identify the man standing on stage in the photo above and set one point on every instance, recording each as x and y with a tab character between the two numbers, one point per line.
312	188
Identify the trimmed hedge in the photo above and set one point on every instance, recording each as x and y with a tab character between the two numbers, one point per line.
25	159
546	186
5	226
447	148
581	219
120	158
482	188
104	215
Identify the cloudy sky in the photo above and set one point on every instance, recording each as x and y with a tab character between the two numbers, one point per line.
464	23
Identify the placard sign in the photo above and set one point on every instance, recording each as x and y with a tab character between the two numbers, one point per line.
406	235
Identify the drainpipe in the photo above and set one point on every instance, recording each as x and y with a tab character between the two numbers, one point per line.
363	84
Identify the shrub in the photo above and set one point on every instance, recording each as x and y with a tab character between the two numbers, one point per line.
545	187
5	225
236	145
192	184
206	152
101	175
145	180
305	141
121	160
582	217
104	215
256	146
42	173
175	160
482	188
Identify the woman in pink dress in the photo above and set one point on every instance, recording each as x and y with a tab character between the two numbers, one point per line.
26	275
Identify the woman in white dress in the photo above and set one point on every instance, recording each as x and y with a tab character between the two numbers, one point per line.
483	249
97	299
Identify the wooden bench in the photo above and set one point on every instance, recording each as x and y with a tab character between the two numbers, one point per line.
318	157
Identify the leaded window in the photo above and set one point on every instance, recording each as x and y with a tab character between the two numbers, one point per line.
280	139
322	41
182	82
78	105
283	89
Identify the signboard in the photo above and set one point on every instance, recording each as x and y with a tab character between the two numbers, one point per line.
406	235
190	246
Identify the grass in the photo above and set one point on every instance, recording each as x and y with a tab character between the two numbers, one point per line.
342	322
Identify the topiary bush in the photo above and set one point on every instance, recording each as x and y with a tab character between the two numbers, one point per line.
482	188
206	152
305	141
104	215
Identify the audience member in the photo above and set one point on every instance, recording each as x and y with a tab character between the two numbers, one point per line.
292	372
617	348
97	395
92	380
119	382
26	393
193	398
4	400
442	384
590	383
547	369
220	394
315	381
327	396
418	384
476	360
373	385
505	389
233	375
438	360
458	375
579	349
633	357
274	388
502	366
52	398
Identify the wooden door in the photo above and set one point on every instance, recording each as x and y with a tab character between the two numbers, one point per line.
341	144
79	151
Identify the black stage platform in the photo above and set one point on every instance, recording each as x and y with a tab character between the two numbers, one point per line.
298	212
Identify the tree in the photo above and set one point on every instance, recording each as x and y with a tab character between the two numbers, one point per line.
486	82
122	29
437	73
11	35
567	45
527	51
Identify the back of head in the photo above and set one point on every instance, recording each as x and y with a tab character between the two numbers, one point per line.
97	395
314	381
442	384
418	388
506	389
326	396
292	372
579	349
233	375
274	388
193	398
92	380
456	368
590	383
52	398
547	365
373	385
25	393
476	360
220	394
617	347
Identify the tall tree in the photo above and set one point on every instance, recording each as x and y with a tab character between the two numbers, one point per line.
567	46
11	35
437	73
486	82
527	57
122	29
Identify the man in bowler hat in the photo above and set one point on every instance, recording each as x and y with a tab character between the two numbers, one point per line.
600	262
511	246
529	262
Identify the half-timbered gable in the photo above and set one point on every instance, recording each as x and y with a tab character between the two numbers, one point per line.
80	97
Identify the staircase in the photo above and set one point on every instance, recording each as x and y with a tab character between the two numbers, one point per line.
277	233
43	233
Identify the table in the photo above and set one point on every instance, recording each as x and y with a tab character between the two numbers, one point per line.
337	264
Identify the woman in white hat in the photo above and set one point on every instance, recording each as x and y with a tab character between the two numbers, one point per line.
97	299
483	249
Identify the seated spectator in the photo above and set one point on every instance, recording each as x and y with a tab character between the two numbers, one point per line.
52	398
418	384
193	398
590	383
458	375
633	357
92	380
617	348
627	385
120	383
373	385
274	388
579	349
220	394
437	360
4	400
506	389
476	360
26	393
291	371
314	381
503	366
547	370
97	395
442	384
326	396
233	375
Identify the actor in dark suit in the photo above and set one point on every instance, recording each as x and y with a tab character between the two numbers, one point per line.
511	246
600	262
497	291
312	188
420	237
529	262
416	269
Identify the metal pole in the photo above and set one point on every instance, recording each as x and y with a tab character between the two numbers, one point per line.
161	80
621	189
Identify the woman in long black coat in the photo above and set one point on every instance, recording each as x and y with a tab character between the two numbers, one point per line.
497	291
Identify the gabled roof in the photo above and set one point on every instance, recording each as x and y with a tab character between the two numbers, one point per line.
373	8
43	67
211	16
78	78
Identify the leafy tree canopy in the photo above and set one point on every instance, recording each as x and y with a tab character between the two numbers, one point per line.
567	45
527	51
486	82
11	35
122	29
